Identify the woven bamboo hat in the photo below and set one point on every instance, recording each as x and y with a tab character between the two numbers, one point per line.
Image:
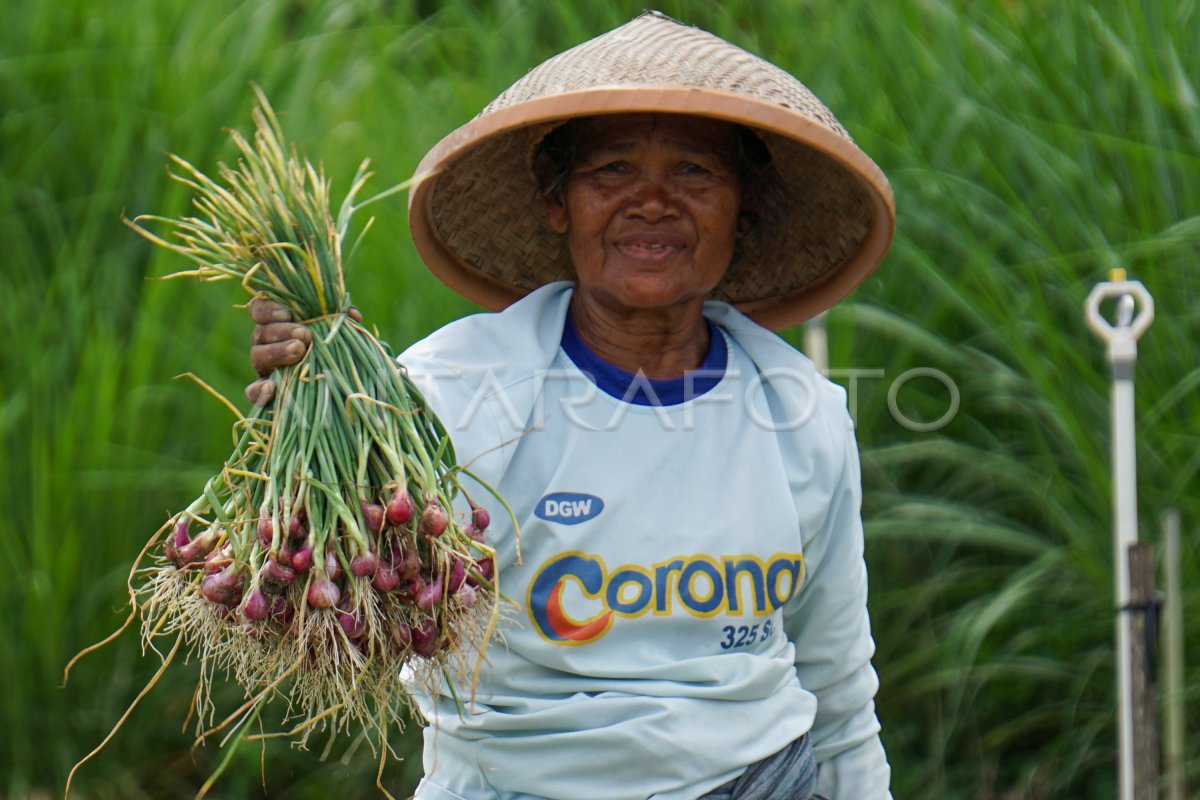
824	223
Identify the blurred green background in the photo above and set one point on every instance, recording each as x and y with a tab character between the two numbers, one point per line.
1032	147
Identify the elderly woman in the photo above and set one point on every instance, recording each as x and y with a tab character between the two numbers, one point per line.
689	576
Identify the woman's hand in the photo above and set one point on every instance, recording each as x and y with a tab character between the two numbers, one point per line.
277	342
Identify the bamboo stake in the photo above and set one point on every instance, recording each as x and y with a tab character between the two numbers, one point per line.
1143	624
1175	756
816	343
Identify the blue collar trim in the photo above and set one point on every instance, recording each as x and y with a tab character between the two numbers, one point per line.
639	389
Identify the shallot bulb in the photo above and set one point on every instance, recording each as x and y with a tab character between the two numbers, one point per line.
218	559
279	572
364	566
433	521
296	525
401	635
483	568
386	578
351	621
224	588
429	595
457	575
333	567
465	596
266	532
177	538
256	606
400	508
197	549
480	518
411	562
302	559
323	593
424	638
374	516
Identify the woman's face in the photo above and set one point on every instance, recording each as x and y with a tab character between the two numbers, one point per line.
650	209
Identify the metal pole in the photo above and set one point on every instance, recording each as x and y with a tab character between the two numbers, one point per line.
1122	356
1124	462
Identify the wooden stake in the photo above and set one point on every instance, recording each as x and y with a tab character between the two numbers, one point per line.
1143	614
1173	702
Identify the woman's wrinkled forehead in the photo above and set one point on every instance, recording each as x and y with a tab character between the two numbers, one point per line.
555	150
622	132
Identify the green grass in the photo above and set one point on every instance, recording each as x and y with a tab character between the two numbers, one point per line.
1032	147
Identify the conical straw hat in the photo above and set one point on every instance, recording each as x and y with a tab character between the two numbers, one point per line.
825	222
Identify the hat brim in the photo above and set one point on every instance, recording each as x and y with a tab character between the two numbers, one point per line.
779	123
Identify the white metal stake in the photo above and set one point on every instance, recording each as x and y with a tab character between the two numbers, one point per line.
1121	339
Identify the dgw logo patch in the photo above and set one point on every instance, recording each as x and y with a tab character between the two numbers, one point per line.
568	508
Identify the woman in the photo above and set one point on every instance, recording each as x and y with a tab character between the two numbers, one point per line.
692	596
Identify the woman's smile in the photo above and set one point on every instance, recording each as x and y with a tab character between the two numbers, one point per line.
650	248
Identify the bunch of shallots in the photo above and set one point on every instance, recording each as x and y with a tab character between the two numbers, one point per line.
336	548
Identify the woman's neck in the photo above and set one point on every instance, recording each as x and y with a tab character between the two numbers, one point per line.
659	343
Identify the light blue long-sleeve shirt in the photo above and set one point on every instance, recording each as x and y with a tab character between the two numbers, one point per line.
691	586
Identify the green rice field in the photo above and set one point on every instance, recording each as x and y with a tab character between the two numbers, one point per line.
1033	146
